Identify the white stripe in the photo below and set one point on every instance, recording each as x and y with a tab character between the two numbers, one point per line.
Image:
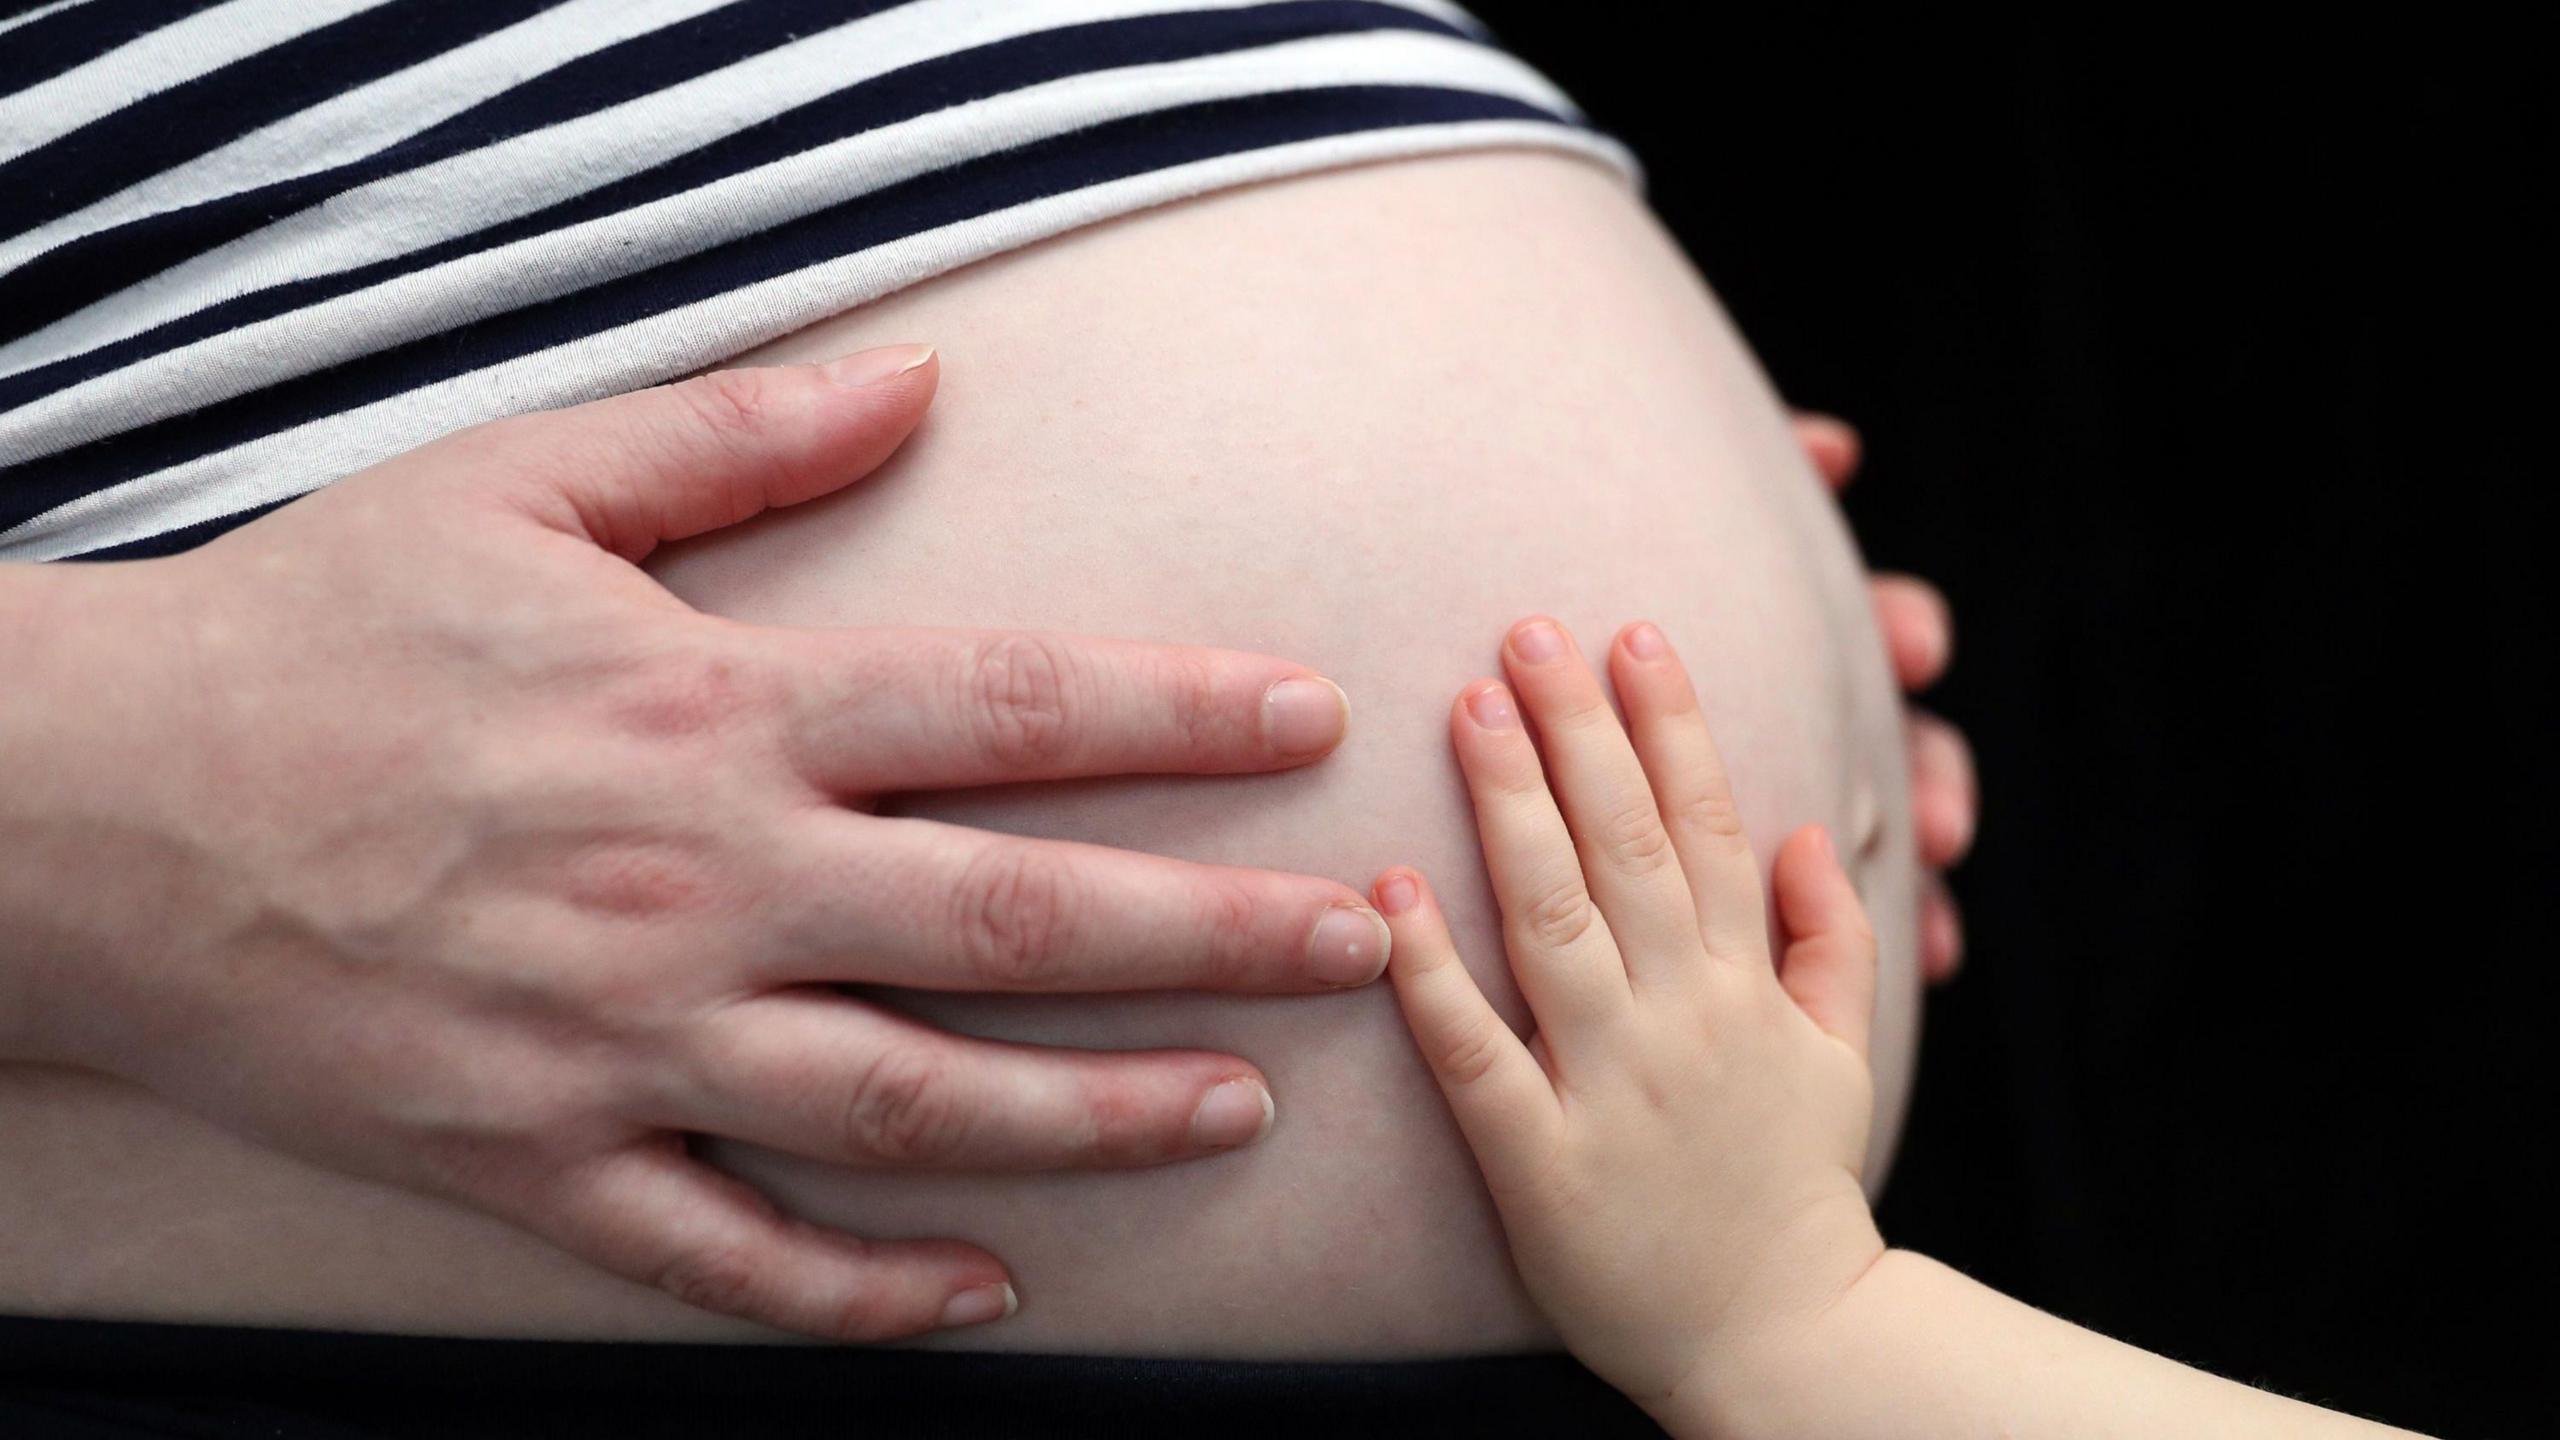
1448	13
539	267
646	352
370	117
171	55
472	191
38	13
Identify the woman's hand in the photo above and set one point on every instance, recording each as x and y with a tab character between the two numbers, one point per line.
1919	634
1676	1152
415	831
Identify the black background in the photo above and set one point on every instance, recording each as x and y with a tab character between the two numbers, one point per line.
2195	363
2196	366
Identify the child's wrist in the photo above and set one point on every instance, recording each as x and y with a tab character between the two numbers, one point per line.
1750	1385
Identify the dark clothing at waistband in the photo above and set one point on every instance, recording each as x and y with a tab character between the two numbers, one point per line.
89	1380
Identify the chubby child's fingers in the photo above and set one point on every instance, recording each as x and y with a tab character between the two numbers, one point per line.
1562	951
1830	964
1500	1095
1628	859
1692	791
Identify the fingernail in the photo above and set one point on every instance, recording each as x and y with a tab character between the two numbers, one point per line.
1348	946
1646	643
1304	716
1234	1112
1491	707
1822	843
870	367
979	1304
1537	642
1397	893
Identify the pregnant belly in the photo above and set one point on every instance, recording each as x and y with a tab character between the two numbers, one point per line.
1362	420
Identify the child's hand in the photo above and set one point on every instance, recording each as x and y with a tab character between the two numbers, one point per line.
1675	1153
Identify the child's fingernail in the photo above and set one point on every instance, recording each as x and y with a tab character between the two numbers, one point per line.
1645	642
979	1304
1538	641
870	367
1348	946
1304	715
1234	1112
1397	893
1491	707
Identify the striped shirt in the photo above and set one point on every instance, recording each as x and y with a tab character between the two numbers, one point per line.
248	248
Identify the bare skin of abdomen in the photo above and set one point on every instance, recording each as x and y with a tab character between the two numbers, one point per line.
1364	420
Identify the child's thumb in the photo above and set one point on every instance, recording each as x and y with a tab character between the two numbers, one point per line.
1830	963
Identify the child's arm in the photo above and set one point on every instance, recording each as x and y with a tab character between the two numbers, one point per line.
1675	1154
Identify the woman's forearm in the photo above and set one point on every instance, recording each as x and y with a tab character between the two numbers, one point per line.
1916	1350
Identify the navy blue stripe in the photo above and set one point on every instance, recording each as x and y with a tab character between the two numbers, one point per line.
185	537
951	79
185	121
95	266
68	39
1135	145
643	65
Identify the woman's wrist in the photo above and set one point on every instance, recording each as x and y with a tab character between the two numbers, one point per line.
29	616
73	897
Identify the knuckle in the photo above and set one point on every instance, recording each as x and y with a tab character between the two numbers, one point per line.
864	1315
1015	917
1120	1129
475	1167
903	1109
1468	1056
1633	837
1188	686
1556	915
1709	810
641	880
1015	697
731	404
686	693
737	413
1229	925
719	1278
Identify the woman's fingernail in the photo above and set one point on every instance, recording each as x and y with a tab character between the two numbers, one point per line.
1537	641
1397	893
1645	642
979	1304
870	367
1234	1112
1491	707
1304	716
1348	946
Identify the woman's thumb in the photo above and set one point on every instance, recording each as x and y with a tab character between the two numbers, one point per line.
637	470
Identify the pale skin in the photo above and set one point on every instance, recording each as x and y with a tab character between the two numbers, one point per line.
414	832
1676	1149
